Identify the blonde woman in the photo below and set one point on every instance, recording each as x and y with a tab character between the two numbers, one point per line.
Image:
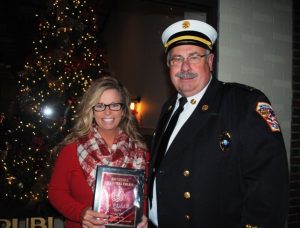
105	133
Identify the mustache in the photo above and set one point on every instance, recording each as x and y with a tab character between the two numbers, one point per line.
186	75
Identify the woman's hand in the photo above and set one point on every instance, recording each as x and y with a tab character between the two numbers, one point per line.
143	223
93	219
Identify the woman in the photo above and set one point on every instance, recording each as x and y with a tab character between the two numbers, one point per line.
104	133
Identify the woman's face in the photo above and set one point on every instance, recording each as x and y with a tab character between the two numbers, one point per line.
109	120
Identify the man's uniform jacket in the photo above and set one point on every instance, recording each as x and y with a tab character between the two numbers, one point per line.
227	166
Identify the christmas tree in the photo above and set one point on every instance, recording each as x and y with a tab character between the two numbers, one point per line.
67	56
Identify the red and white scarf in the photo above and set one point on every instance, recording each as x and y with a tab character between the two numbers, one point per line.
92	150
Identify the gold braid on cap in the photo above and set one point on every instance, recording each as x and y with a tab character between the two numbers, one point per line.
207	42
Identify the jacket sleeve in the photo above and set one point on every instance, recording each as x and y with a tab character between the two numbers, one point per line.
59	190
264	166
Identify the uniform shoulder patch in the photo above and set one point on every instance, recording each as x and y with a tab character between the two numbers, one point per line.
265	110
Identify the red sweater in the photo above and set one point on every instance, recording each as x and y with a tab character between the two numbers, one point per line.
68	190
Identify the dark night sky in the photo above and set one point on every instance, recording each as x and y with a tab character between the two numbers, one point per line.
17	27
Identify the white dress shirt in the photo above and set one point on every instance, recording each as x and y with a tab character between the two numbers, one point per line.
189	108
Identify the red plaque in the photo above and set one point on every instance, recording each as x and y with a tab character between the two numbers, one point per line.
119	194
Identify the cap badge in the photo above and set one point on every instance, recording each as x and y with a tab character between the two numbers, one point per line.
186	24
225	141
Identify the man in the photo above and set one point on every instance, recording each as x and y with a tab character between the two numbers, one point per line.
224	163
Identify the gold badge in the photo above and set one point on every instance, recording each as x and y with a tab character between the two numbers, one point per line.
185	24
193	101
204	107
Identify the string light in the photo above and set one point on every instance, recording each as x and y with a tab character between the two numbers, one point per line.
53	74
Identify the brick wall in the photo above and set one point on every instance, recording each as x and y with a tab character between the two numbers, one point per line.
294	208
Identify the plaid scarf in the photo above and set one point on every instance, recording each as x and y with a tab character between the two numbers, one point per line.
92	150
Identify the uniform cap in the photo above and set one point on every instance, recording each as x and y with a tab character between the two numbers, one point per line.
189	32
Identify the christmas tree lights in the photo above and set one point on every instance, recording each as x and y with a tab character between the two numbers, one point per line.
66	57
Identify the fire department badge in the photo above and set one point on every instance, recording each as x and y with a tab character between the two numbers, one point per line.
266	111
186	24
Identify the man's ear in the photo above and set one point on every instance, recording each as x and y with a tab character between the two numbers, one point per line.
210	60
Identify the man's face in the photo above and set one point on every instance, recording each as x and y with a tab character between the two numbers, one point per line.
190	68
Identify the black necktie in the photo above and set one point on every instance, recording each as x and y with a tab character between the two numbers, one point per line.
166	135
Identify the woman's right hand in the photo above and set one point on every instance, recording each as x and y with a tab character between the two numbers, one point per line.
93	219
143	223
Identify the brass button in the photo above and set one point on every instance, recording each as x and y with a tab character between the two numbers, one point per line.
186	173
187	217
204	107
187	195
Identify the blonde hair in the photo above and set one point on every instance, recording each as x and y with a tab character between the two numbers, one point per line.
84	118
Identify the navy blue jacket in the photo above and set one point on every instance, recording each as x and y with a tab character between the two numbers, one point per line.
227	166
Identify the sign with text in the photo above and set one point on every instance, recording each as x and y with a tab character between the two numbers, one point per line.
32	222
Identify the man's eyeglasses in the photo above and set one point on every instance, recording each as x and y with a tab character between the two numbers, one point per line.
178	60
113	107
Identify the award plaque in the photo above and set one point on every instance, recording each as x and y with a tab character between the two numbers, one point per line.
119	194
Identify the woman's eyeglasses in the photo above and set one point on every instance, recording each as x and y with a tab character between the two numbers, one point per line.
113	107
